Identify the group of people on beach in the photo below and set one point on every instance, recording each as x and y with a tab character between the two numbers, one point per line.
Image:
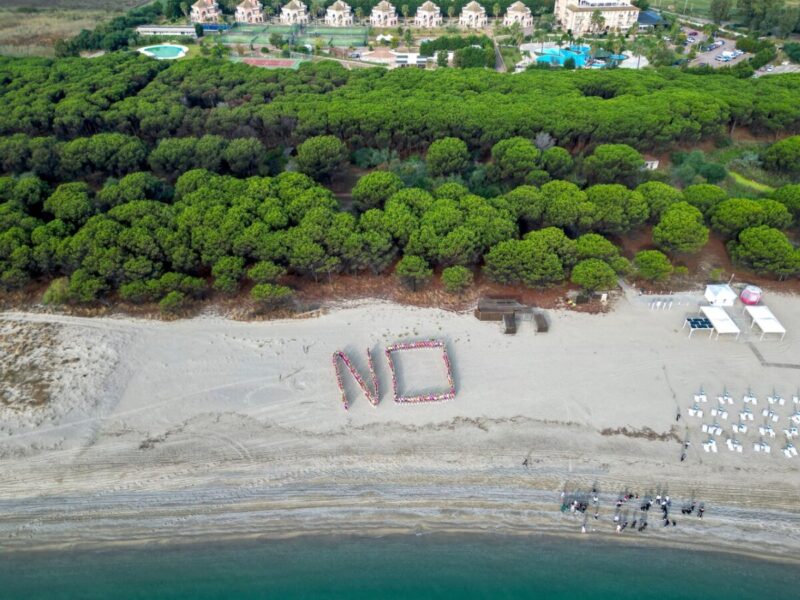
578	503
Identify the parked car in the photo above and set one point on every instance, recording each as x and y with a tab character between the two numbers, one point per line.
693	33
770	68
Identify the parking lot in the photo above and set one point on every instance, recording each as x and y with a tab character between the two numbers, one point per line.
725	48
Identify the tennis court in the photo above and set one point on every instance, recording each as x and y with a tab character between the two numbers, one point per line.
270	63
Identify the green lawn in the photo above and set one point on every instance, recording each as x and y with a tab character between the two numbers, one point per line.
741	180
700	8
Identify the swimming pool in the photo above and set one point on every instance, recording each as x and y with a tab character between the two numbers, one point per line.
557	56
580	54
165	51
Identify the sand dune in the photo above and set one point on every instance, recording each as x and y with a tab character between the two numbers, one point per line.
158	431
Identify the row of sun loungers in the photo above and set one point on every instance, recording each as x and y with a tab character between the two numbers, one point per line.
766	430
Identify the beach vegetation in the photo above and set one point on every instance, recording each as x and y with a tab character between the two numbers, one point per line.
594	274
765	250
457	279
270	295
652	265
413	271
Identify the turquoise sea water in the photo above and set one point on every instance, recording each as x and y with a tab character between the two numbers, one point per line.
462	567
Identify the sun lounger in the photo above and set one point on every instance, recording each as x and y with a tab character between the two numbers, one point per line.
796	399
793	450
779	400
725	399
739	428
767	449
756	447
748	399
704	428
700	398
787	453
790	433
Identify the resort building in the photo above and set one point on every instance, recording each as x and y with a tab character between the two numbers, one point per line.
250	11
339	14
206	11
294	13
518	13
428	16
383	15
473	16
576	15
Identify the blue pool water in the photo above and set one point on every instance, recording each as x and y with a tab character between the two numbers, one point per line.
463	567
164	52
580	54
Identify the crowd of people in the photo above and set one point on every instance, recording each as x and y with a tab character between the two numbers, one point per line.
447	395
624	517
373	395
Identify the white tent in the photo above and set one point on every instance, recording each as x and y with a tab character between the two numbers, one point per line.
720	295
720	320
766	321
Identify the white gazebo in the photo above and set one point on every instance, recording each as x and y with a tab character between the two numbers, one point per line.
294	13
720	295
518	13
339	14
383	15
205	11
766	321
473	16
250	11
428	16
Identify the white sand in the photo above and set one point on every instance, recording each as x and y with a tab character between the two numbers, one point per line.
158	431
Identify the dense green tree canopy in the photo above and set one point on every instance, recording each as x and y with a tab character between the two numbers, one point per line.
765	250
321	156
614	163
652	265
681	229
447	155
784	156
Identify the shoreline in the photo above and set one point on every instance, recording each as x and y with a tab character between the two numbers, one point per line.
695	542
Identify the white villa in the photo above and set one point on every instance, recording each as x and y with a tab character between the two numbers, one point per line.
339	14
518	13
576	15
428	15
294	13
383	15
473	16
206	11
250	11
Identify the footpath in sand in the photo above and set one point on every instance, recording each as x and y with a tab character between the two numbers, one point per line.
123	430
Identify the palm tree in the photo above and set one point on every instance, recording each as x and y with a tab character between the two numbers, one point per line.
496	10
597	20
451	11
359	13
404	10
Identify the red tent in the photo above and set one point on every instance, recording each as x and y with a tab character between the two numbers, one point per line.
751	295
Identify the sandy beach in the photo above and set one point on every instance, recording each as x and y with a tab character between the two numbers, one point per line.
118	430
